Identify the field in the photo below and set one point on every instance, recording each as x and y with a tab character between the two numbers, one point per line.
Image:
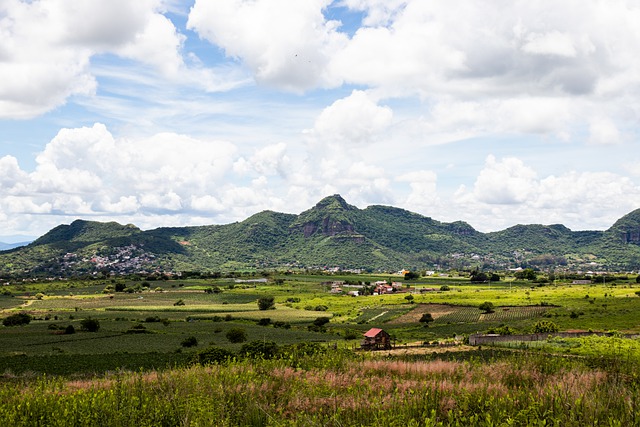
157	329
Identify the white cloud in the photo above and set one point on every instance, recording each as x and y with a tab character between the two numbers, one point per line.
355	119
47	45
287	43
603	130
507	192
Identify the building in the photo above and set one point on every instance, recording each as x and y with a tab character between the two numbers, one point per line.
376	339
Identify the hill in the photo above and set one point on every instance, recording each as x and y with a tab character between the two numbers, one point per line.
330	234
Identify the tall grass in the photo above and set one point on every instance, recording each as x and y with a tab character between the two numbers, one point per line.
335	389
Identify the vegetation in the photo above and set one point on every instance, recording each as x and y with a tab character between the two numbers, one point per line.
332	233
17	319
266	303
146	349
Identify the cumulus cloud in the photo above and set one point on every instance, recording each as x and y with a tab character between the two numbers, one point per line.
507	181
508	192
46	47
287	43
353	120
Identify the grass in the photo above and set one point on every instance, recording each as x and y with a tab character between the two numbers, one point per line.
336	389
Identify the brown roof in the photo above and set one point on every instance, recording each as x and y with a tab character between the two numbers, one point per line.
373	332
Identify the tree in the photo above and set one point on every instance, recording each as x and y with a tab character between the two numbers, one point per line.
409	298
17	319
544	326
478	276
526	274
411	276
236	335
90	325
486	307
426	319
266	303
638	279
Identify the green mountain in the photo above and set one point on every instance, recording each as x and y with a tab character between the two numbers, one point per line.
330	234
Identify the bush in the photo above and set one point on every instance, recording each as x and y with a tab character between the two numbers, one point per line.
281	324
69	330
236	335
90	325
178	303
17	319
321	308
321	321
351	334
213	355
486	307
189	342
544	326
266	303
426	318
502	330
265	321
260	350
445	288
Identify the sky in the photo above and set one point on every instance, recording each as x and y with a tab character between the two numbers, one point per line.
174	113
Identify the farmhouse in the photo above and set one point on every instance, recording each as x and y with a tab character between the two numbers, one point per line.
376	339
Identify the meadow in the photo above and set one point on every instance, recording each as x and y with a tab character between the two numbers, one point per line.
151	333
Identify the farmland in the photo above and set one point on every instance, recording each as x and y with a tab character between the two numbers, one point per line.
158	328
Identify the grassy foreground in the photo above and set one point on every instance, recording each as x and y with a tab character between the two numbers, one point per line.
340	388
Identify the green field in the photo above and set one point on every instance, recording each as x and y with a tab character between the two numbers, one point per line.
147	331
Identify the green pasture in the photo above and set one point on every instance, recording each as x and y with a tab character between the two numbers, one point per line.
190	311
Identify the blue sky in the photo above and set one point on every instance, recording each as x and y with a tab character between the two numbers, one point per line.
165	113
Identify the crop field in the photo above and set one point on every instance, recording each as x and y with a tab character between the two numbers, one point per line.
162	326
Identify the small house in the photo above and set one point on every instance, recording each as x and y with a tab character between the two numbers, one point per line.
376	339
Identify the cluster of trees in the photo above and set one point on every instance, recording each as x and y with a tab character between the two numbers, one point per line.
478	276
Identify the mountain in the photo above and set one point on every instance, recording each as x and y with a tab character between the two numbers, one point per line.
330	234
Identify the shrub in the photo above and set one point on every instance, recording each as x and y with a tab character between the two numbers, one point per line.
178	303
502	330
265	321
213	355
426	318
544	326
266	303
69	330
189	342
445	288
409	298
137	329
486	307
320	308
236	335
351	334
260	350
17	319
321	321
281	324
90	325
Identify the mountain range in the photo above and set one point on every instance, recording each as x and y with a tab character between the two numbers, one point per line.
332	234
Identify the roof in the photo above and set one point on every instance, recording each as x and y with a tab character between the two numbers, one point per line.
373	332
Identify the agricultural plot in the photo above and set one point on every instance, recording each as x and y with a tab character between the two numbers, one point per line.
382	314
